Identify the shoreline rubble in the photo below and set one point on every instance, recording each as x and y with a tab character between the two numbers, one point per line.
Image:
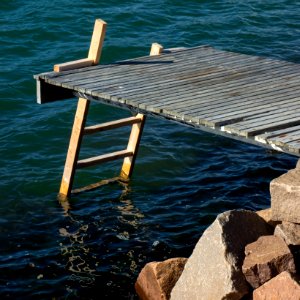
241	255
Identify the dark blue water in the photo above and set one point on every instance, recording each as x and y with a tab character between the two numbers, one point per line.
183	177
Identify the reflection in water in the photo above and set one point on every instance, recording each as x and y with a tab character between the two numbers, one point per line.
64	201
77	254
129	213
65	204
84	260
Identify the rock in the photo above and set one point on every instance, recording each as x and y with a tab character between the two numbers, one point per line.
289	232
296	253
282	287
214	270
157	279
285	197
266	258
266	214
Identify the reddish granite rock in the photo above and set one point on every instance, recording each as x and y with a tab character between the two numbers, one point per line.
282	287
266	214
157	279
298	164
285	197
289	232
266	258
214	270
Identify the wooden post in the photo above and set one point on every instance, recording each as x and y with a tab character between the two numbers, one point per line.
156	49
133	145
81	114
136	131
97	41
74	147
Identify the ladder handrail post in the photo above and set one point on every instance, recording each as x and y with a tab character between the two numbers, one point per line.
156	49
133	146
137	122
81	115
136	131
97	41
74	147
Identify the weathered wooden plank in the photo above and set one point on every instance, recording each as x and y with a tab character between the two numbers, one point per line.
291	137
238	89
194	98
235	115
209	105
185	89
125	64
269	117
294	145
268	103
85	90
179	95
233	119
202	82
226	62
284	121
178	72
273	135
240	94
200	51
163	67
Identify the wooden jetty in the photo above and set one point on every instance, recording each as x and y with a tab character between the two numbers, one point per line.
249	98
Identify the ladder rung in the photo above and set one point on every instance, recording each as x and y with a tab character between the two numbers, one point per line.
103	158
111	125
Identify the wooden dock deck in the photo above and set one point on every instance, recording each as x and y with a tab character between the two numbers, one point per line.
249	98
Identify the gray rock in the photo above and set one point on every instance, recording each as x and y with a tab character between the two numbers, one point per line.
285	197
266	214
298	164
214	270
289	232
266	258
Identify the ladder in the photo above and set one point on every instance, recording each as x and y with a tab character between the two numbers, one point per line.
79	130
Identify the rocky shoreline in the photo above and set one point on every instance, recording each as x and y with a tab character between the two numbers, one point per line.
241	255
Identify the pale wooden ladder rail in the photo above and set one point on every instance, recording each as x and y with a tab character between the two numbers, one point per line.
72	163
82	107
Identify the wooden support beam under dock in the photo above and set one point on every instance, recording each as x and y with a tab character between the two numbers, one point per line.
249	98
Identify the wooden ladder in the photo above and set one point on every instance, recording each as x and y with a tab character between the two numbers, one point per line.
79	130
